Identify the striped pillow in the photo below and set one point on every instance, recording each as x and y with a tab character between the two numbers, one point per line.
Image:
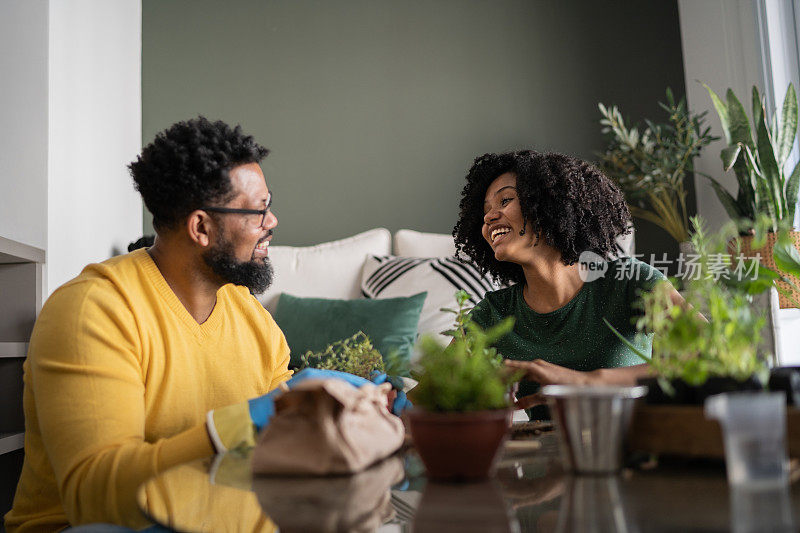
393	276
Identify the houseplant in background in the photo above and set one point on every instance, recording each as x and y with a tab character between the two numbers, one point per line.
650	164
767	189
462	404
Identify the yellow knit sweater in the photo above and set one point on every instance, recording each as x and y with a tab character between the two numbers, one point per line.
118	381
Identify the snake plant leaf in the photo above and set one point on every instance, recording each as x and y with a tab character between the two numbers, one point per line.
746	196
765	203
768	163
758	106
722	111
786	255
792	186
729	156
756	183
773	129
739	125
728	202
788	126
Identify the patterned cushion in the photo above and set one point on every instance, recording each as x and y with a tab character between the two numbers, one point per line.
393	276
327	270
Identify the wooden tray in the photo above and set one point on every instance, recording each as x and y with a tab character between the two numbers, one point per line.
684	430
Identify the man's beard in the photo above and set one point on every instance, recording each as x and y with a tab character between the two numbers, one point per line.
255	274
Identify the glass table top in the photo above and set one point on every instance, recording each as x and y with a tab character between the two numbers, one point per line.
530	492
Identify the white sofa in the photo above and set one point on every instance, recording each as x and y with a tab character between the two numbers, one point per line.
335	270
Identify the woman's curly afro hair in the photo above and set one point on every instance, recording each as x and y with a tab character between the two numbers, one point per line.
186	167
570	204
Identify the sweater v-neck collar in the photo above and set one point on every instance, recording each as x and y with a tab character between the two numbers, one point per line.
160	283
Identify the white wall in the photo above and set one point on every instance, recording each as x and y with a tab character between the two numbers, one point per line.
23	121
720	48
94	131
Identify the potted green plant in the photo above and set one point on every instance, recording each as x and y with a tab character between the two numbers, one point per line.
710	345
767	187
650	163
354	355
462	407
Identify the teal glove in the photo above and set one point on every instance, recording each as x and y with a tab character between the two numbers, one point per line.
233	426
401	402
262	409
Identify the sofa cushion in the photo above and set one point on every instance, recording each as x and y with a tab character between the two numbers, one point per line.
440	277
328	270
410	243
314	323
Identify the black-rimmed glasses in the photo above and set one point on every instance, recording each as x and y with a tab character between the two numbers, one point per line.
238	211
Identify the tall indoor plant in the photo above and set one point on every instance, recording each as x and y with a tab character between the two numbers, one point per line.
462	403
767	187
650	164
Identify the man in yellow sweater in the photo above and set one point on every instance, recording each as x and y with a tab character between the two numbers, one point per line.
148	360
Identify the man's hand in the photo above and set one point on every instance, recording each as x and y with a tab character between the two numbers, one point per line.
398	402
233	426
546	373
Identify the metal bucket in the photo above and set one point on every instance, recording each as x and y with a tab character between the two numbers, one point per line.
592	422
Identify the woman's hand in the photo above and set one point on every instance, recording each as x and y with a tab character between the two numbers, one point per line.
546	373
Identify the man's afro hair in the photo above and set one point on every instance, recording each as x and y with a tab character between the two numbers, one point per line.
571	205
186	167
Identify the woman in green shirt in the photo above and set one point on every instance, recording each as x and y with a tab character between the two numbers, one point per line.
526	218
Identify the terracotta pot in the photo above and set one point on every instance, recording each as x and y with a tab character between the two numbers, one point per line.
768	261
459	446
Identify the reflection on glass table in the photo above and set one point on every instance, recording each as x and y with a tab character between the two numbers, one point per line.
531	492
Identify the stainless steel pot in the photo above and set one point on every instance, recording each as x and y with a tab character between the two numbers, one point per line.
592	422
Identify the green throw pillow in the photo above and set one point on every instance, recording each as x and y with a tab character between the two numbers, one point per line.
314	323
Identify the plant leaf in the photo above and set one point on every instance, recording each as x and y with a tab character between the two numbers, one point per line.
758	107
762	202
739	125
768	163
788	127
792	186
729	156
722	111
626	342
786	255
725	198
763	281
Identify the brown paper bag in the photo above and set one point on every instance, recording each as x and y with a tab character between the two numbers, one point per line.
328	427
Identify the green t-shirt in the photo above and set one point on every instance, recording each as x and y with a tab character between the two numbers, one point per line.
575	335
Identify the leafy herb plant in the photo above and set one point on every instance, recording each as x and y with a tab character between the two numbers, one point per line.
468	374
354	355
724	341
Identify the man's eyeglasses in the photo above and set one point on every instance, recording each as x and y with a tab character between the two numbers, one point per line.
262	212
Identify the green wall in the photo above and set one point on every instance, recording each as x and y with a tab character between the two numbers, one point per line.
375	109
